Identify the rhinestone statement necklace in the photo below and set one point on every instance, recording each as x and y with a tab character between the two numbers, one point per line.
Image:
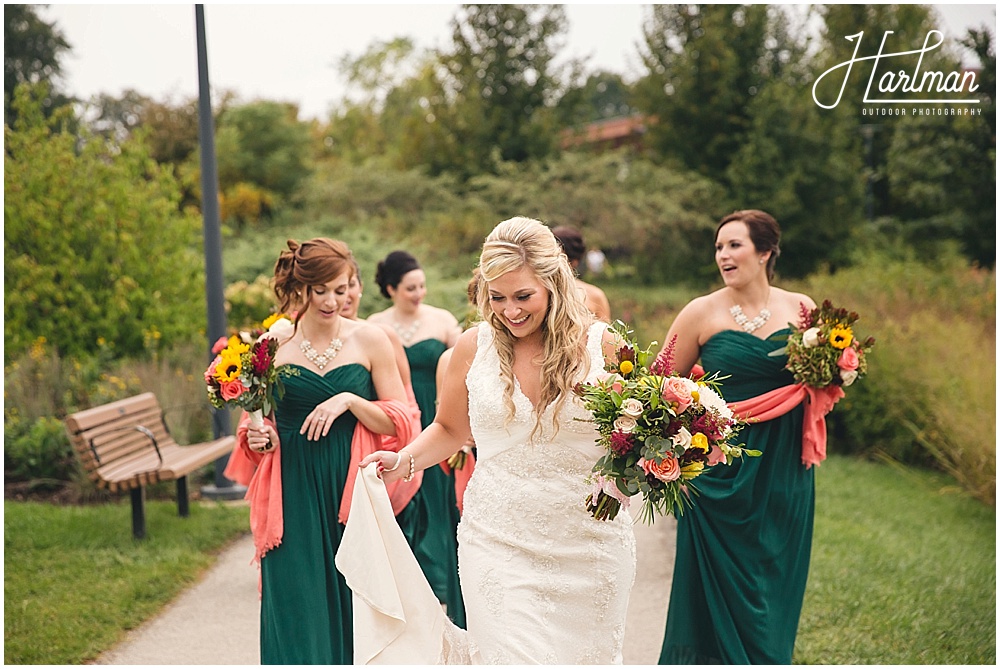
757	322
406	334
749	325
321	360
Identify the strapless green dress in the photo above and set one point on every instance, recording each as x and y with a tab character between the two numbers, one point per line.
437	550
305	608
743	550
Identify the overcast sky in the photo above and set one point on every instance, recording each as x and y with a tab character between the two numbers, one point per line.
290	52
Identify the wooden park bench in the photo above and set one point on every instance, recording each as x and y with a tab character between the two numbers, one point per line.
125	445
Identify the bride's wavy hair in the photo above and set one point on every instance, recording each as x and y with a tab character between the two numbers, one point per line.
524	242
311	263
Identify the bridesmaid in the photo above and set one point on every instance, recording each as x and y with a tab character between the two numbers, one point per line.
412	519
743	550
346	392
426	333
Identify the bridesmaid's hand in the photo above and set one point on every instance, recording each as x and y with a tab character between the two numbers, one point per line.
317	424
261	440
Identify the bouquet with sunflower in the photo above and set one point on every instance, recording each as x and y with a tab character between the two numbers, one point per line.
661	431
823	349
243	374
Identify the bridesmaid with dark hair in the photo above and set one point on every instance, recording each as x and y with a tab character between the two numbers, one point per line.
426	333
743	549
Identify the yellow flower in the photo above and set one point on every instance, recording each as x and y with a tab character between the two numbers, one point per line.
699	441
626	366
270	320
236	345
229	367
841	336
691	470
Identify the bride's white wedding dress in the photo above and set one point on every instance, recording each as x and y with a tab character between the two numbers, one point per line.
543	581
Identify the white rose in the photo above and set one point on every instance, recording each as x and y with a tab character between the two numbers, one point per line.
848	376
810	337
632	408
682	438
625	424
280	329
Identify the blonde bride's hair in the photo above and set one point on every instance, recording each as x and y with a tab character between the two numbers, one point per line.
524	242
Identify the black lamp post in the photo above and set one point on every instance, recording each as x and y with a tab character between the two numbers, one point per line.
215	297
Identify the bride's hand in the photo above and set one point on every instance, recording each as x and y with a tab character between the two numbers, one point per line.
317	424
391	466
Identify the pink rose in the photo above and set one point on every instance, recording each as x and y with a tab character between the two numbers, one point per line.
611	380
668	470
210	372
848	359
676	390
220	344
716	456
230	390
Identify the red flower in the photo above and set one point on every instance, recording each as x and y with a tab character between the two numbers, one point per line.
262	357
621	443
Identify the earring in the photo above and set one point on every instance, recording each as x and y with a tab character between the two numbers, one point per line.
761	261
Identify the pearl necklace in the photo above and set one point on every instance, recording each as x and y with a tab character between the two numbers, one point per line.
758	321
321	360
406	334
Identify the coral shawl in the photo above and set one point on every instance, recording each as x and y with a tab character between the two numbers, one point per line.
778	402
261	473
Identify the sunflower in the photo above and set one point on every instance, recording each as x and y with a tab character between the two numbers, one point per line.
230	366
841	336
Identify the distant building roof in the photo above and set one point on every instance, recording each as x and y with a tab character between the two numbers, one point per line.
607	133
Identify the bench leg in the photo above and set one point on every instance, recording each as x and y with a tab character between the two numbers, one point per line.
138	512
182	497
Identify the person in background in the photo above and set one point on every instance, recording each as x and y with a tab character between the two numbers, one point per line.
572	244
426	332
743	549
413	518
464	462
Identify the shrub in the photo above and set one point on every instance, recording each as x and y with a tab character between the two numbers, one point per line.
930	394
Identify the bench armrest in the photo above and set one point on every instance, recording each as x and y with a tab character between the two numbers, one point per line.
138	428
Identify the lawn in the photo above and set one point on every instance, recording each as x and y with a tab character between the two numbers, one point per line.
903	570
75	580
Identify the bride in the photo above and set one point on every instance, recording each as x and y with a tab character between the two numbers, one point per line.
543	581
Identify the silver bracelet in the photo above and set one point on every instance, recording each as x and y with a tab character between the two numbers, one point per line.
399	458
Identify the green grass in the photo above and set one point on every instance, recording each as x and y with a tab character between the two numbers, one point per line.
903	570
75	580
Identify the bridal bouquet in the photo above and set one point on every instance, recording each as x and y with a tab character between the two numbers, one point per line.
824	350
661	431
243	375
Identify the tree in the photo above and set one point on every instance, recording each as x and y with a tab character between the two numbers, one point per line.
705	63
602	96
32	50
494	98
96	252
